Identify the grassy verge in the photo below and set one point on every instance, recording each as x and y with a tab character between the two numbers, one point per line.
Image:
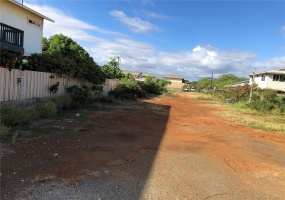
242	115
17	121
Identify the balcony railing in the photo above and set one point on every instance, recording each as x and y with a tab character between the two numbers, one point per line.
11	38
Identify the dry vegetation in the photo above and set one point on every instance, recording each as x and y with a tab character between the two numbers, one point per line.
241	115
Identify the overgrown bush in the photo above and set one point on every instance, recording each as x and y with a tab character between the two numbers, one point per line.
239	93
18	115
46	109
9	59
129	88
79	93
155	85
62	102
4	130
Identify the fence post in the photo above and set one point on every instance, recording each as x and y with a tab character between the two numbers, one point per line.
22	86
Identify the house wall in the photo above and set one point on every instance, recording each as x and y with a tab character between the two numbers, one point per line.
259	82
275	84
17	17
268	83
175	83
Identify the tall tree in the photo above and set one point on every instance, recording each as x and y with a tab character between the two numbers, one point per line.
111	70
62	55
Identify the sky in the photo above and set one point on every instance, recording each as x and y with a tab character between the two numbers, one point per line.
189	38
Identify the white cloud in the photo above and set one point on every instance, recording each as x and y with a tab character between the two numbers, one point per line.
65	23
135	24
154	15
198	62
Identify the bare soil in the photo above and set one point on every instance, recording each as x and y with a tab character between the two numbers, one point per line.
164	148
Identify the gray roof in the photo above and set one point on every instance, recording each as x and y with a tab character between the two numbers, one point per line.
237	83
173	76
272	71
136	73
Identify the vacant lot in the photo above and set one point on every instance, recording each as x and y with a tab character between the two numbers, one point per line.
164	148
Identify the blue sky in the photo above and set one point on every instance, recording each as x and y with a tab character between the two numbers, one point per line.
188	38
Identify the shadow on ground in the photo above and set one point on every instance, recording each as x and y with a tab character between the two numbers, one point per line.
105	154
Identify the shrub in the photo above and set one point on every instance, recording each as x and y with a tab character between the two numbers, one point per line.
18	115
154	85
4	130
80	93
129	88
62	102
47	109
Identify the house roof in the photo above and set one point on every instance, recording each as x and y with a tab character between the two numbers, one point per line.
30	10
173	76
136	73
272	71
237	83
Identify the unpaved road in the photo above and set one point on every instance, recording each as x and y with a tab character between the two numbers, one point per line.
165	148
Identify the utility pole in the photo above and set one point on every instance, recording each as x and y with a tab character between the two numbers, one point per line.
119	59
251	88
211	81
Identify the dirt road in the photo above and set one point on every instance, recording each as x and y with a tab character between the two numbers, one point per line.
165	148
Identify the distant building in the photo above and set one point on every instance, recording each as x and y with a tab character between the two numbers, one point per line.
176	81
241	83
140	76
273	79
21	28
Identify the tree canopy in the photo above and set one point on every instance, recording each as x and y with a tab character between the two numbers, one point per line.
220	82
62	55
111	70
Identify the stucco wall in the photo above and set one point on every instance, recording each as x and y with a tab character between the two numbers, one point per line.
275	84
17	17
268	83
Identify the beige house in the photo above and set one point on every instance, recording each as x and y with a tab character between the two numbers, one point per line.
176	81
273	79
140	76
21	28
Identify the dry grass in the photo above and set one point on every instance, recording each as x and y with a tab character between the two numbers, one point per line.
241	115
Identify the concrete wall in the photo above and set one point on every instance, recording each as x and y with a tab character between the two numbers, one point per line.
18	17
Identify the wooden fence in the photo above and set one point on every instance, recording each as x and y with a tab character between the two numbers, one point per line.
17	85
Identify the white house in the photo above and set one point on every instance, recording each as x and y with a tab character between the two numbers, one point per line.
273	79
21	28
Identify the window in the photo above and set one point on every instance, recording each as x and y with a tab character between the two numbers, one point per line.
280	78
276	77
263	78
34	23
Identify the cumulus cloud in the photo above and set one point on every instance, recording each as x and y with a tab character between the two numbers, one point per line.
135	24
65	23
200	61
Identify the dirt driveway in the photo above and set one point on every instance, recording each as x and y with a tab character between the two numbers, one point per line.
165	148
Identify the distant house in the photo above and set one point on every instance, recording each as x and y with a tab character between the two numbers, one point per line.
273	79
241	83
176	81
140	76
21	28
